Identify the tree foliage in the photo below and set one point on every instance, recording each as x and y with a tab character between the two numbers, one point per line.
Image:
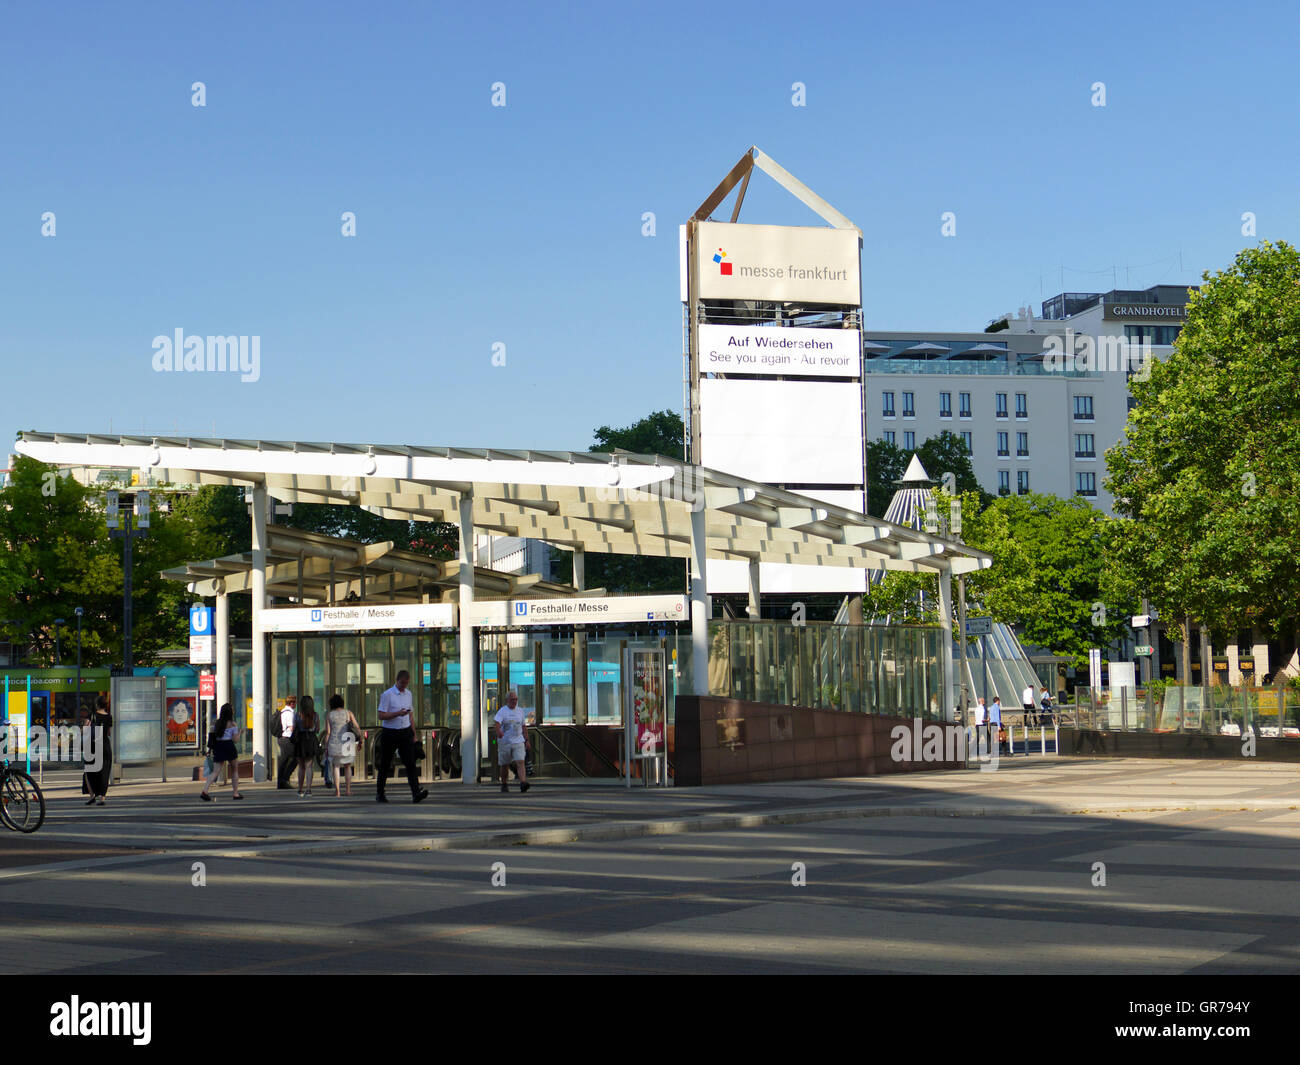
1046	579
886	464
1210	471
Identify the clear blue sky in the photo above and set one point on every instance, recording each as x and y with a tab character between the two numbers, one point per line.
522	225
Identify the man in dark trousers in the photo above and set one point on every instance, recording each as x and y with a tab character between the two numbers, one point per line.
287	759
398	734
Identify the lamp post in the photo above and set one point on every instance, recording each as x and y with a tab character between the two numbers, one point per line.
127	505
76	714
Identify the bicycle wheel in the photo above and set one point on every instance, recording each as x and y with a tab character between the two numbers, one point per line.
21	803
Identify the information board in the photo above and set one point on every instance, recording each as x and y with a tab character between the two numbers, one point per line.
138	707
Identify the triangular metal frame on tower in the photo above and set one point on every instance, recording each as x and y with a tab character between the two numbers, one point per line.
740	174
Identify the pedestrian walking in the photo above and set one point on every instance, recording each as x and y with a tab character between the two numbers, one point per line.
221	742
306	742
282	727
981	718
996	732
512	741
101	746
1029	706
342	733
396	733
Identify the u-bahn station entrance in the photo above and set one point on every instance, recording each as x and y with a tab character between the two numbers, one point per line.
605	677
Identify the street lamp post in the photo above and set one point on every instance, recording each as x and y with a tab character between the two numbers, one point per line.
129	505
76	714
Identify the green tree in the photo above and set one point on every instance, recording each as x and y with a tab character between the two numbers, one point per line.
57	556
945	453
1210	470
1046	578
658	433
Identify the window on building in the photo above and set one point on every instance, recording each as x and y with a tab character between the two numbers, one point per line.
1084	447
1022	444
1022	405
945	404
1022	482
963	399
887	404
890	436
1002	405
1083	408
1085	484
1004	447
1004	482
909	404
909	441
966	439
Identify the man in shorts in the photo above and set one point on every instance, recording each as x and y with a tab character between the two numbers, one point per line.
512	741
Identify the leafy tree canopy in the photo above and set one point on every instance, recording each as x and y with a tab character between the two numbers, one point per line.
1210	471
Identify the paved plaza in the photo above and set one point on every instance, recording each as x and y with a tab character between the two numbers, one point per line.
949	872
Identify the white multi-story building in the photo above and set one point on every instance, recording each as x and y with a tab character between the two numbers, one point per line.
1038	401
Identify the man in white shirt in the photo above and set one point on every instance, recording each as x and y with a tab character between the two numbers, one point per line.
396	733
980	716
512	740
1029	706
287	759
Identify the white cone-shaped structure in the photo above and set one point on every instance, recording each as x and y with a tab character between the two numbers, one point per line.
997	664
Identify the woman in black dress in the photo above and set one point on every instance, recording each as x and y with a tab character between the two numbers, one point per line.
222	743
306	741
100	745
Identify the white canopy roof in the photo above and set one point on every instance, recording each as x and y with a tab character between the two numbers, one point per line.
617	503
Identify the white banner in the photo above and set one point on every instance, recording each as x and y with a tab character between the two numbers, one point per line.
348	618
809	263
757	349
591	610
202	649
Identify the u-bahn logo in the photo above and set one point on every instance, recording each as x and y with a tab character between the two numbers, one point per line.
315	616
521	610
724	267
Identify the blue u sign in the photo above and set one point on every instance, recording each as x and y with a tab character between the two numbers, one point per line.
521	609
200	621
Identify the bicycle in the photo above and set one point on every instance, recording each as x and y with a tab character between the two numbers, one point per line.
22	806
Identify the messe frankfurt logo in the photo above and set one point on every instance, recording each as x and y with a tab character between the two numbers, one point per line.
724	267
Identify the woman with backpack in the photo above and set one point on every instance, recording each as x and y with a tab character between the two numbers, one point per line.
221	742
342	734
306	741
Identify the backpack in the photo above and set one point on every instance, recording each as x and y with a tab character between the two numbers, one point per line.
277	724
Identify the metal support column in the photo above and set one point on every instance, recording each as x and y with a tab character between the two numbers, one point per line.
579	569
262	758
754	590
223	649
469	740
699	602
945	624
